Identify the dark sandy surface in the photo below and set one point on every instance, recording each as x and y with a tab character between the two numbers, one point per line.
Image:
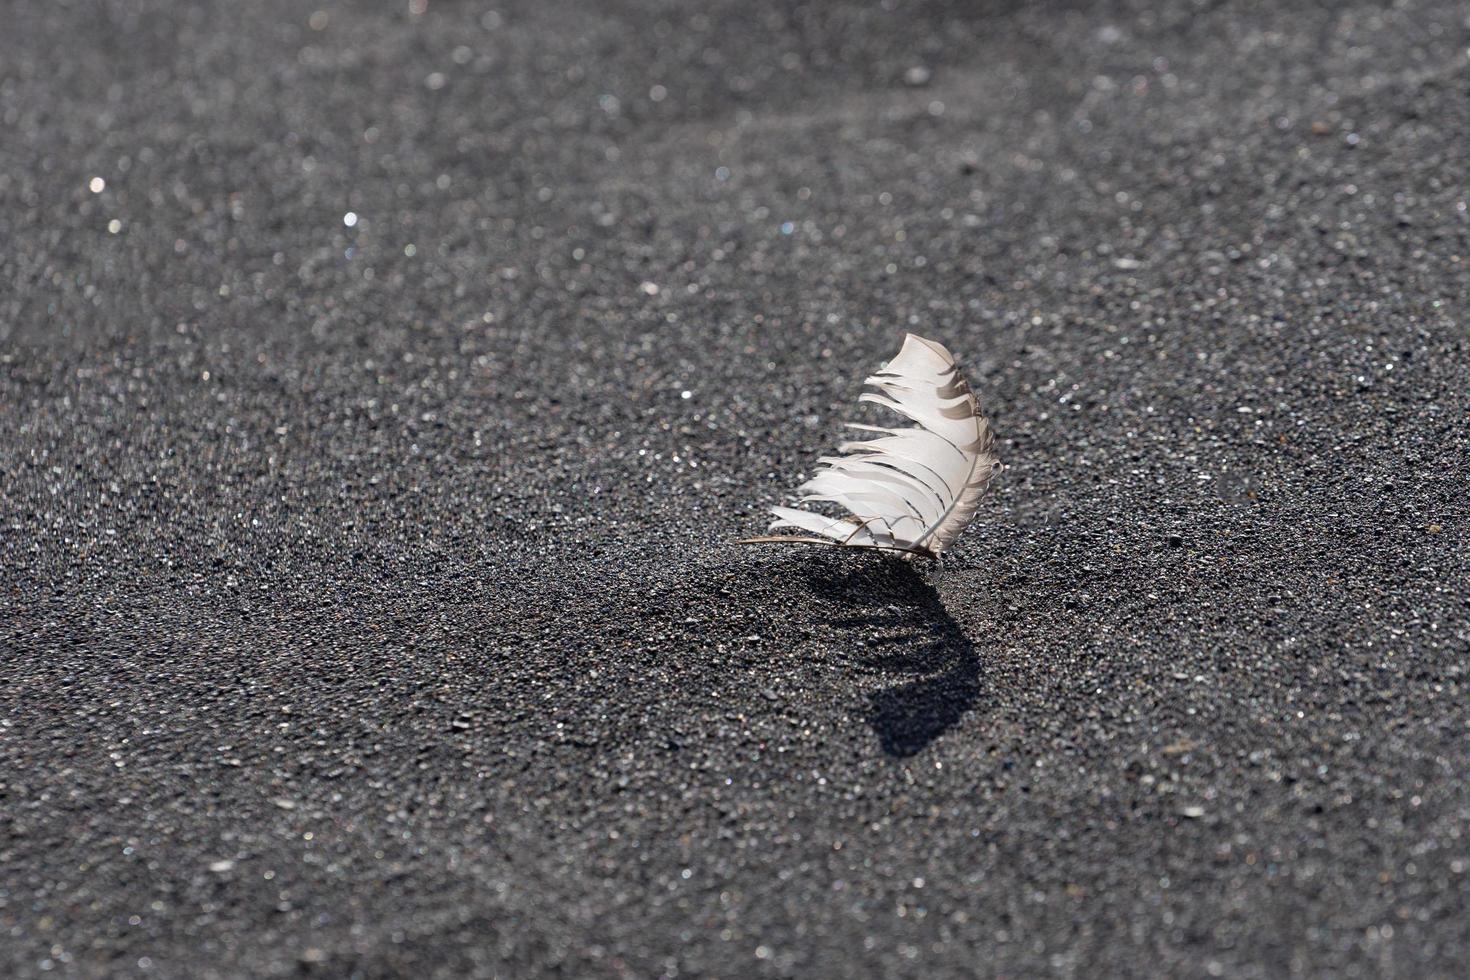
367	603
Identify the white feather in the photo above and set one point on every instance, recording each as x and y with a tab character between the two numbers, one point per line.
911	489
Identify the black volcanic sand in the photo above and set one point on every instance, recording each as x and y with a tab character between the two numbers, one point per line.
368	602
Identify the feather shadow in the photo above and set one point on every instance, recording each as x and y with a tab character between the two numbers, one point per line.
909	634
